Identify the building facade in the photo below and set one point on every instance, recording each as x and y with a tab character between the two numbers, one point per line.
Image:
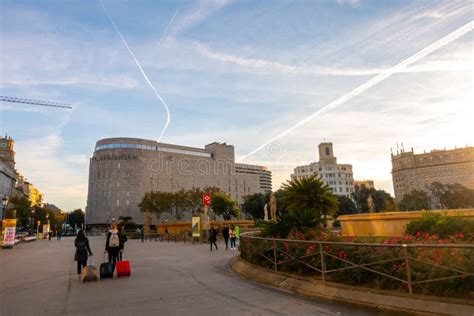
7	169
28	190
412	171
12	183
338	177
122	170
368	184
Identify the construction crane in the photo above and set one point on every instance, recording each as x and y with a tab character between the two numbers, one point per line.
35	102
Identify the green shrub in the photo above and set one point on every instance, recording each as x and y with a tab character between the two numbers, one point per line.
442	226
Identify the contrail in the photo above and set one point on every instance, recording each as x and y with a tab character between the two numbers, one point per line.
143	72
167	28
372	82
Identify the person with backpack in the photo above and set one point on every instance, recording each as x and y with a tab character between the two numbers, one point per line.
83	250
213	236
233	237
113	244
225	234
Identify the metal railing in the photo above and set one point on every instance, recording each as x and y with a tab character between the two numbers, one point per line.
382	265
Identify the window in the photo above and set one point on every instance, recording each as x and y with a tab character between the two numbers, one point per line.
328	153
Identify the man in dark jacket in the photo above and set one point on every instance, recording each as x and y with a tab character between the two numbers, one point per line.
225	234
213	236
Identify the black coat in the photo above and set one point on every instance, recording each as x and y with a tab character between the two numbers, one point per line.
213	234
83	250
225	232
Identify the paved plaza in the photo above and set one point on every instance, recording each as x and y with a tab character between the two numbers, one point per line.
39	278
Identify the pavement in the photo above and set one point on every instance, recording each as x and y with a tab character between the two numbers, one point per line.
39	278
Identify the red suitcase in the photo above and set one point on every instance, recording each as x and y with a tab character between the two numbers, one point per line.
123	268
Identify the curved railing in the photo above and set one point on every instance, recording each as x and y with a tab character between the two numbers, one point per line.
439	269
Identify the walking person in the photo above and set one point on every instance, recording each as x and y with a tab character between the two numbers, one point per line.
142	232
113	244
233	237
123	241
58	234
225	234
83	250
213	236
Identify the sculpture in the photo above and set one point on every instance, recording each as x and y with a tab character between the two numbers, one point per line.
370	204
273	207
265	212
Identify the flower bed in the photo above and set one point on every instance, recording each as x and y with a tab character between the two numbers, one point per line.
427	265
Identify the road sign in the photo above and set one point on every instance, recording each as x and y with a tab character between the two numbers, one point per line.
206	199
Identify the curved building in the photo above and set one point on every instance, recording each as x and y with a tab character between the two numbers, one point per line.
121	170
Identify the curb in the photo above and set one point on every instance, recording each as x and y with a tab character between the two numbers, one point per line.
349	294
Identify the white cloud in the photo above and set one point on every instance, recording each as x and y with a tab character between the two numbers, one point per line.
196	14
352	3
39	160
268	66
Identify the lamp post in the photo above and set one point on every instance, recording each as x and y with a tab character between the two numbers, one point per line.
32	219
4	205
47	225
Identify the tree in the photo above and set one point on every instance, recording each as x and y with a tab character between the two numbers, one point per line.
346	206
383	201
181	201
254	205
157	203
309	194
414	201
76	218
452	196
195	197
304	205
223	205
127	223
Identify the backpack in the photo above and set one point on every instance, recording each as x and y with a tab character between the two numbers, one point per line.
114	240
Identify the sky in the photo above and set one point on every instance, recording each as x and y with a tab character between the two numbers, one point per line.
240	72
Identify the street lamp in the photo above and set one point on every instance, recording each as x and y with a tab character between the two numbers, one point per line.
32	219
4	204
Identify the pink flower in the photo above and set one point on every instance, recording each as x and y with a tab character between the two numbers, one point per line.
418	234
342	254
460	235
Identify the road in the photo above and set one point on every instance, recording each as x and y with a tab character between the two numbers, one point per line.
39	278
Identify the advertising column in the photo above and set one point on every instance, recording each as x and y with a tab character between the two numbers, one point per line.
9	231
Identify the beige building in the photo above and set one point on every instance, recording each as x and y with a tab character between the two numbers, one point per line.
7	167
338	177
368	184
28	190
412	171
11	182
121	170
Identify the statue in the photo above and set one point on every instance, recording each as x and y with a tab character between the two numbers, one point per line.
273	207
370	204
265	212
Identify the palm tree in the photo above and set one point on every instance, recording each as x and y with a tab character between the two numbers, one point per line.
309	200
